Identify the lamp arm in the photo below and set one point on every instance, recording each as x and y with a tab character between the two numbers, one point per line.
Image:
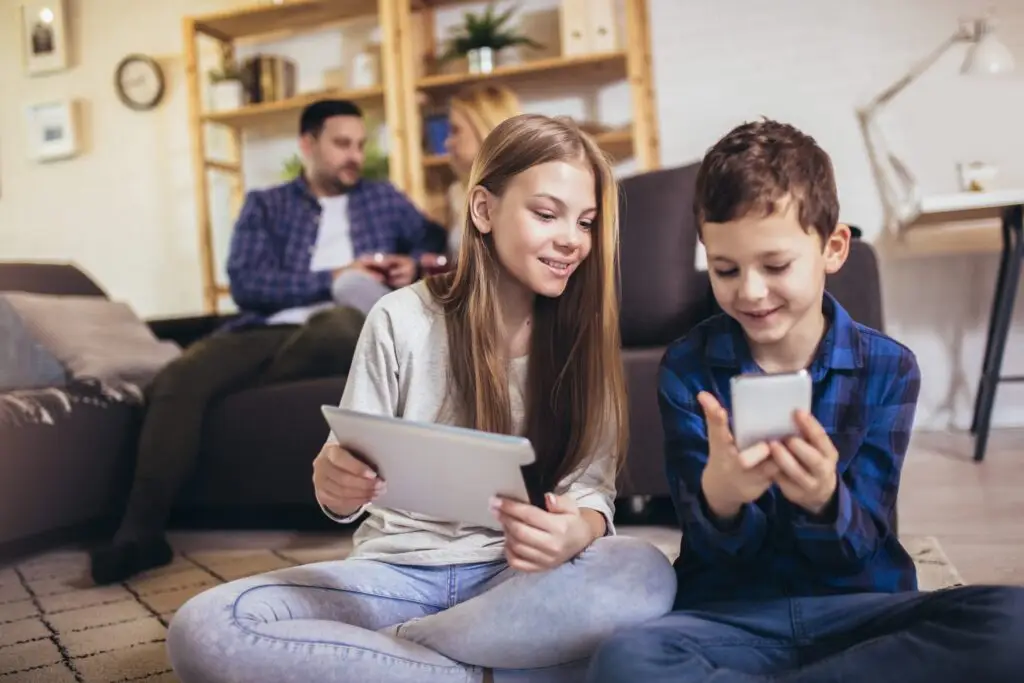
898	187
917	69
896	184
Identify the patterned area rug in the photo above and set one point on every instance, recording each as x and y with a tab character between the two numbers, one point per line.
55	627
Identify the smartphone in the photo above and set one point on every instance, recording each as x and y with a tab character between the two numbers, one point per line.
763	406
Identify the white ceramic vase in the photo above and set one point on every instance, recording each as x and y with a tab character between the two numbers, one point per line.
482	60
226	95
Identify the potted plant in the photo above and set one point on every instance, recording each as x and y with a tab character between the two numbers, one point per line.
291	168
227	88
375	162
481	37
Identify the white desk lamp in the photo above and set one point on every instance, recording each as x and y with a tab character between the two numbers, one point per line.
900	195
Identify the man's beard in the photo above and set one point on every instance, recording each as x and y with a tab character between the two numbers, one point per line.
333	181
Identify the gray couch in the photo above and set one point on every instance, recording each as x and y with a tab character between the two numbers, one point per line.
258	443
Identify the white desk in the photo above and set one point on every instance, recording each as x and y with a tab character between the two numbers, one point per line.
967	222
957	223
968	201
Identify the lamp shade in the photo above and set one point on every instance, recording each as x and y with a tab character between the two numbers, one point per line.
987	56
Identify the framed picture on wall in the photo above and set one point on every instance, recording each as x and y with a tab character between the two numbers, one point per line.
44	36
52	131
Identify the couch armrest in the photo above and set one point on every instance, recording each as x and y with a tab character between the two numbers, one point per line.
186	330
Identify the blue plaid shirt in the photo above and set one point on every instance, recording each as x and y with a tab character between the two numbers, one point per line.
865	396
275	236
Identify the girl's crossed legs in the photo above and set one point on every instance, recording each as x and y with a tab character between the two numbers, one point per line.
362	620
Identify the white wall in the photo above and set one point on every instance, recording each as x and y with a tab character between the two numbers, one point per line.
716	64
812	63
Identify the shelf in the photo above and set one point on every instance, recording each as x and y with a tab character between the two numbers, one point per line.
253	113
608	65
437	4
289	15
618	144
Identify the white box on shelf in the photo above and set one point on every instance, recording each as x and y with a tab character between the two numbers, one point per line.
574	27
602	26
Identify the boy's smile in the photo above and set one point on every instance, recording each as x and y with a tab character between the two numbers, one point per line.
768	273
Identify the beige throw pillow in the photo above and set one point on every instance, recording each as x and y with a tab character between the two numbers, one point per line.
94	337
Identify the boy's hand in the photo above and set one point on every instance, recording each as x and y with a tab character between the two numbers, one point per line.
807	466
731	478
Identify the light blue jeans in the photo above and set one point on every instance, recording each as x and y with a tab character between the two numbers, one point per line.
368	621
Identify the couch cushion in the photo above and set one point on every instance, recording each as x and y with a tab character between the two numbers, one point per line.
93	337
46	278
662	293
24	362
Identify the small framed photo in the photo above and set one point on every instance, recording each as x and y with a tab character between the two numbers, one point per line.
44	36
52	131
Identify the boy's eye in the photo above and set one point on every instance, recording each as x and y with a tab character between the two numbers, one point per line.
730	272
777	268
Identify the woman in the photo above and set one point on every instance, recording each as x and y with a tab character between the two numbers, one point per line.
472	115
522	337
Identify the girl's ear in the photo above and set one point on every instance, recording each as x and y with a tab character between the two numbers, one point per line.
480	208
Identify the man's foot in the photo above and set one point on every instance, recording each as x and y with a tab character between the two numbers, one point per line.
120	560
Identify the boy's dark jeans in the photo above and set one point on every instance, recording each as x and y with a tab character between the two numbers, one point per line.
181	393
972	634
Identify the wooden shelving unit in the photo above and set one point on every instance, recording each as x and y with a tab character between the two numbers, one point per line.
262	22
428	175
404	86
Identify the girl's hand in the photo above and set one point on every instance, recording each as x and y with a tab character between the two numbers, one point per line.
342	483
537	540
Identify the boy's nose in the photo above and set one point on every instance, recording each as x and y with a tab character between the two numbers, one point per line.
752	287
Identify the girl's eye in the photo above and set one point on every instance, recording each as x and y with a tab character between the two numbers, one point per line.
586	225
726	273
544	215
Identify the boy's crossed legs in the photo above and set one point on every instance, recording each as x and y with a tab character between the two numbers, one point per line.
972	633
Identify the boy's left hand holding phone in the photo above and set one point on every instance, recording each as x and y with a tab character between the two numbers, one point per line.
803	466
807	466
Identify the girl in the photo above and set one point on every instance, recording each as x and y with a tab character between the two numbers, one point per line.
523	337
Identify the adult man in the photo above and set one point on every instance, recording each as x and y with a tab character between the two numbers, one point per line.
297	249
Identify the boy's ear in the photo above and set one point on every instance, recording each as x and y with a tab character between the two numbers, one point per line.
480	208
837	248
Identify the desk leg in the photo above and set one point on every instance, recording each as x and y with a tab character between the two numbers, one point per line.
993	317
999	328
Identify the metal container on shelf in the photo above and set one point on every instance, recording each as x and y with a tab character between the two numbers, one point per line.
268	78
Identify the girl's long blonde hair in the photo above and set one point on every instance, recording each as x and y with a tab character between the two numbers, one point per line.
575	396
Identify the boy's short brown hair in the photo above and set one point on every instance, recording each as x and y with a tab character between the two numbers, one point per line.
759	163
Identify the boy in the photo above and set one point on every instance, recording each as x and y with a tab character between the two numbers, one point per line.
789	569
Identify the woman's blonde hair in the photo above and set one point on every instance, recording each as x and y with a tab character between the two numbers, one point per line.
485	106
575	395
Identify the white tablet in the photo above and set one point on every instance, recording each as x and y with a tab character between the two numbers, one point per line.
447	472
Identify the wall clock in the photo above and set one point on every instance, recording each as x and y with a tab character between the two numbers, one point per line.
139	81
